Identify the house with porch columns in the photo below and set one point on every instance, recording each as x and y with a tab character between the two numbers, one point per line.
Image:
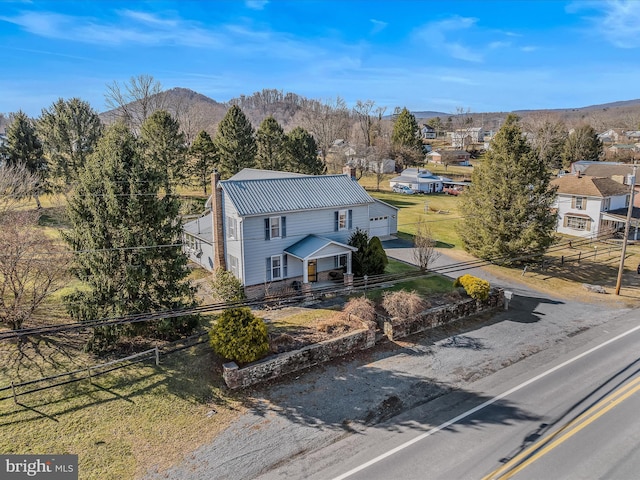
278	230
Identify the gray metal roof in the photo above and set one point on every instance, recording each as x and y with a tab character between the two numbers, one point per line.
259	174
291	194
311	244
201	228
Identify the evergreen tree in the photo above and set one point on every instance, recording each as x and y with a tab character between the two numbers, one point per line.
582	144
235	143
271	142
69	131
405	131
164	148
370	259
508	204
405	138
124	234
23	145
203	158
302	153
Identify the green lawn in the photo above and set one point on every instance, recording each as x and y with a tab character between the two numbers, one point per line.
413	208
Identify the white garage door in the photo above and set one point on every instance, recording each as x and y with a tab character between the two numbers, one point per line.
379	226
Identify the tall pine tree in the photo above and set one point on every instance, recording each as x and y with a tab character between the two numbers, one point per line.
203	159
23	145
69	131
124	234
164	148
507	207
405	140
302	153
582	144
270	139
235	143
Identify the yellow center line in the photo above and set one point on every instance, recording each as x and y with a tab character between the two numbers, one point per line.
539	449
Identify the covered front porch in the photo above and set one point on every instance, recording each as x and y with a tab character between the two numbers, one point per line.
617	219
319	257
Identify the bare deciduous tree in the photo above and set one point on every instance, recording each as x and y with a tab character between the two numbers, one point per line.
424	251
327	122
135	101
32	266
16	185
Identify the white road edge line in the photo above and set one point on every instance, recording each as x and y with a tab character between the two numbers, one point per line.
481	406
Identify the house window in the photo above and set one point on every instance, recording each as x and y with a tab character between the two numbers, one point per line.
577	223
343	220
606	204
579	203
234	265
276	267
274	224
340	261
232	228
275	227
627	199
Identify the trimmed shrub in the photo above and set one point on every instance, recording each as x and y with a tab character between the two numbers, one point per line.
475	287
361	307
403	304
226	287
339	323
239	335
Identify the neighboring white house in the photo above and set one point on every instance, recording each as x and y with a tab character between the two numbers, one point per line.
588	206
463	137
276	230
420	180
427	132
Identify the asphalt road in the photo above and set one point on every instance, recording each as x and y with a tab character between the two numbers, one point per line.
574	417
296	426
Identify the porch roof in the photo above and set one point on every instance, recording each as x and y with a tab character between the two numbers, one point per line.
312	246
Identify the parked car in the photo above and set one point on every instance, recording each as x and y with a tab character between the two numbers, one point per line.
403	189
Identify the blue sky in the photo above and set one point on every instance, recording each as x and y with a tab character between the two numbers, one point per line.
425	55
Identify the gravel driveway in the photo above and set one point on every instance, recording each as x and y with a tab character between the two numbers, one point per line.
306	411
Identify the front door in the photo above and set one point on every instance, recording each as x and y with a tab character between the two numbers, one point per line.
312	271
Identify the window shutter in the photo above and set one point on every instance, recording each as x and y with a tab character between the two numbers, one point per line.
584	203
337	221
267	230
350	219
565	221
588	226
283	226
573	202
268	268
284	266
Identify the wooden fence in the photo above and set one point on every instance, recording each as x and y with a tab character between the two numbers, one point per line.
90	372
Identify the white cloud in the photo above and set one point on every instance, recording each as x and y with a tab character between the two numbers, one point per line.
617	21
137	27
499	44
529	48
256	4
378	25
438	35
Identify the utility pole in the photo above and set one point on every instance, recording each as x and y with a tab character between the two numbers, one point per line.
626	230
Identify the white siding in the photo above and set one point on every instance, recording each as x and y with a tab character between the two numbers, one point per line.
298	226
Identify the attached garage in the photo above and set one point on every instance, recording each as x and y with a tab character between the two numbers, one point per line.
383	219
379	226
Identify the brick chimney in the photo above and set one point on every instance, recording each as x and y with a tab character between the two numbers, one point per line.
217	222
350	171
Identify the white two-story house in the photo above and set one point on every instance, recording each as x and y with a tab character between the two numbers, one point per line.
588	206
276	230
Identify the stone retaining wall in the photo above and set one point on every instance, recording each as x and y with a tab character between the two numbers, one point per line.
397	328
277	365
288	362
